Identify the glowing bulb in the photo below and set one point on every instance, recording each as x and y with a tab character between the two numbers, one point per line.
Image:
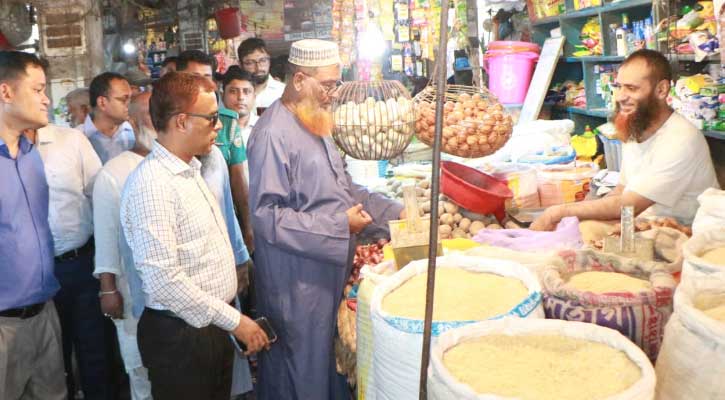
129	48
371	43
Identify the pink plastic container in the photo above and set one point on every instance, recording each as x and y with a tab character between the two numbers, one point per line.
509	74
514	46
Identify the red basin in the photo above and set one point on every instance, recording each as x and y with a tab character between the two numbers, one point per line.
474	190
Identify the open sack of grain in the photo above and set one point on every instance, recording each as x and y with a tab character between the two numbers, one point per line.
691	364
533	261
519	359
468	290
632	296
711	213
372	277
705	257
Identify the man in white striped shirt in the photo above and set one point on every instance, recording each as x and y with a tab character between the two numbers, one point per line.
182	251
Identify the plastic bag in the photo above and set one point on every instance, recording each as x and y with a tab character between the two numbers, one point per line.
535	136
566	236
398	341
443	386
639	316
691	364
711	213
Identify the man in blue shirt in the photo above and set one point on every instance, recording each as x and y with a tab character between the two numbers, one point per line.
31	361
107	125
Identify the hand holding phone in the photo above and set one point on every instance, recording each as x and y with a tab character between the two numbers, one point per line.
251	335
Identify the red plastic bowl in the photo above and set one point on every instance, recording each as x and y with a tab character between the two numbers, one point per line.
473	190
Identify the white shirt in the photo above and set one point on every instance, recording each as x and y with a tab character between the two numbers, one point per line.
670	168
246	131
179	240
71	166
270	94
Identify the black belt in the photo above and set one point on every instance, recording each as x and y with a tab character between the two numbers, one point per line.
75	253
23	312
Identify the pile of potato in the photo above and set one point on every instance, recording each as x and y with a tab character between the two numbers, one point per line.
472	126
374	129
451	223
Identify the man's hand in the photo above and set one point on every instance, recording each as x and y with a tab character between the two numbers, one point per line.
112	305
548	220
357	218
243	278
248	236
251	335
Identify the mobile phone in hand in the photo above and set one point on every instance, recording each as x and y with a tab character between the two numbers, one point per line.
266	327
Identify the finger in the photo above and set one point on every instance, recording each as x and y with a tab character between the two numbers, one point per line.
365	215
358	207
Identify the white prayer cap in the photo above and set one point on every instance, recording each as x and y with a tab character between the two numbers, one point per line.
314	53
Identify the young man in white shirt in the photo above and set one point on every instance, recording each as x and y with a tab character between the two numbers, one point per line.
254	58
71	166
182	251
666	162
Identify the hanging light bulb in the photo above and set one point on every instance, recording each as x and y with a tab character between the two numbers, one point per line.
371	43
129	47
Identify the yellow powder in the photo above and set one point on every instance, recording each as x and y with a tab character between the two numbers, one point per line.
460	295
608	282
541	367
715	256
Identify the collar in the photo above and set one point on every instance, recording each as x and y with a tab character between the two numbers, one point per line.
46	135
227	112
253	118
89	128
174	164
24	145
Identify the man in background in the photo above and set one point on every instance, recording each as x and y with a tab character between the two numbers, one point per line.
107	127
79	105
168	65
255	59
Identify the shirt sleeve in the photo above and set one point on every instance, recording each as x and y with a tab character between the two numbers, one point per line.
106	226
661	179
310	234
150	225
241	255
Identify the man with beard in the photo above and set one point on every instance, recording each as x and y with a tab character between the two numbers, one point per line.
666	162
254	58
106	126
182	250
305	212
113	257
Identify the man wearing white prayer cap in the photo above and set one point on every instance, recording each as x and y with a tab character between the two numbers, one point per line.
306	212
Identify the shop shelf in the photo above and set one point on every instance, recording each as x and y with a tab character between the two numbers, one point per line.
595	59
596	112
546	21
714	134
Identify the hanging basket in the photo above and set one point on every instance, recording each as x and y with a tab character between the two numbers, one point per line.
475	124
373	120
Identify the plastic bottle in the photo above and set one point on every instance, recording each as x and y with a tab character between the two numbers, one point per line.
612	39
629	36
621	34
649	34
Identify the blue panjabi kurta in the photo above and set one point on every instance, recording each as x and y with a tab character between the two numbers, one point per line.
299	192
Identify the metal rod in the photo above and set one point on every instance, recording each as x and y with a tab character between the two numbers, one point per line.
435	189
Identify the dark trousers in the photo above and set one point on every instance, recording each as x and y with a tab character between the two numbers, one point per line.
185	362
82	326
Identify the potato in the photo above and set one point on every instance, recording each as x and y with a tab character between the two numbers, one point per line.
450	207
459	233
446	219
465	224
445	230
424	184
457	217
476	226
425	206
512	225
494	226
419	192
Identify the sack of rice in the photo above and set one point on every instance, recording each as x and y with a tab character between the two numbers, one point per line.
534	261
631	296
705	257
538	360
691	364
711	213
372	276
468	290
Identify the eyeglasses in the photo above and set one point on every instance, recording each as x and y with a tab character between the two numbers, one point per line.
212	118
328	87
258	62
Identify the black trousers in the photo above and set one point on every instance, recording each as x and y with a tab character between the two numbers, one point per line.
82	326
185	362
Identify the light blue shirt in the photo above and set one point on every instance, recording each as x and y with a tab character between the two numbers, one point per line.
108	147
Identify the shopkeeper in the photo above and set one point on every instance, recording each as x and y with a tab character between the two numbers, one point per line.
666	162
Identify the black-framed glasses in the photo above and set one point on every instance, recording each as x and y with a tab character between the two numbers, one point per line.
327	87
260	61
212	118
